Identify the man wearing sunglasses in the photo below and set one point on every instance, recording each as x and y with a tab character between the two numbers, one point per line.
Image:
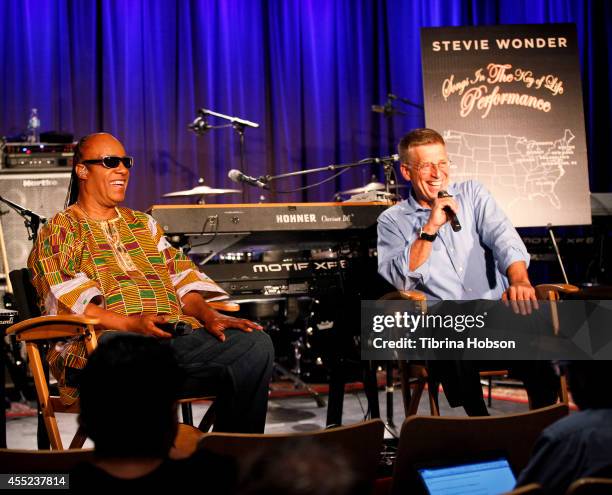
107	261
418	249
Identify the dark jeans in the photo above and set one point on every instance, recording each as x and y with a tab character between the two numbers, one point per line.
237	371
461	382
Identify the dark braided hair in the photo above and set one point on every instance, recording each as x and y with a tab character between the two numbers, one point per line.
73	187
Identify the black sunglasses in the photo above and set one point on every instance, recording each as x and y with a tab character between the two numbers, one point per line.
111	161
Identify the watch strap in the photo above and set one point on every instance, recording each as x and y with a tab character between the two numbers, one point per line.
427	237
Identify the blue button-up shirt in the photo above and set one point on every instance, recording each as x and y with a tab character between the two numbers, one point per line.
469	264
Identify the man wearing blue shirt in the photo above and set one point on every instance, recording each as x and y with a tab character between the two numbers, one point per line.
419	250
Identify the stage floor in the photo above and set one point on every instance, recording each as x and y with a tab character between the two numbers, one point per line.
285	414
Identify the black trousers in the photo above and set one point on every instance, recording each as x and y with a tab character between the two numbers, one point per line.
237	371
461	382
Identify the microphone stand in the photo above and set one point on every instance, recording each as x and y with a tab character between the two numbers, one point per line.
32	221
387	161
200	126
388	165
406	101
233	120
556	249
388	112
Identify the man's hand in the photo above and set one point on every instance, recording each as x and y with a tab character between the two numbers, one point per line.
521	294
438	216
421	249
216	323
146	325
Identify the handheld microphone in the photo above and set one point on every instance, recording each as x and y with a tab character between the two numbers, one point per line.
199	126
238	176
233	120
176	328
454	221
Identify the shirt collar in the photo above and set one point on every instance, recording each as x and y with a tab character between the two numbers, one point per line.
410	204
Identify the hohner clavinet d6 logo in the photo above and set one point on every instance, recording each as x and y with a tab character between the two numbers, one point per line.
296	218
312	218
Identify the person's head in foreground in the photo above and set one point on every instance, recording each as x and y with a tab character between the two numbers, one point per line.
589	382
128	393
300	467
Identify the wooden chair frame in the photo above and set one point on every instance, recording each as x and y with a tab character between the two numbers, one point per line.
362	443
45	328
63	461
416	374
530	489
35	331
20	461
593	486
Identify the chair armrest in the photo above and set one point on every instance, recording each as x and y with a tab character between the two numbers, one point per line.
186	441
550	292
542	290
409	295
413	295
47	327
229	306
531	488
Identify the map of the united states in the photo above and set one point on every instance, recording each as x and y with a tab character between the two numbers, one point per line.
520	167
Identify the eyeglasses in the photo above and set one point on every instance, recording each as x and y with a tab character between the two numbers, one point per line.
427	167
111	161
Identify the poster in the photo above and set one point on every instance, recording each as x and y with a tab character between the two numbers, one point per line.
508	101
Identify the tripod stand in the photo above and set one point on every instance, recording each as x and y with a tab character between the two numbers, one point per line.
291	324
284	373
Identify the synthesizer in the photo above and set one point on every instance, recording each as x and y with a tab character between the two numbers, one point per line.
215	228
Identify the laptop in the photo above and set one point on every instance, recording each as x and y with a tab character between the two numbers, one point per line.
489	475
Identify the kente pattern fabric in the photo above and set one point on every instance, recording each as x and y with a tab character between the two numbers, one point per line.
124	264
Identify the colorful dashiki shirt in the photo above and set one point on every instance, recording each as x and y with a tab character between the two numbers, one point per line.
125	264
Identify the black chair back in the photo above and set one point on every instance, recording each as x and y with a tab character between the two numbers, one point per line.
26	299
26	304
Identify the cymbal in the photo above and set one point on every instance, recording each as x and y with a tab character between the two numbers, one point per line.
372	186
201	191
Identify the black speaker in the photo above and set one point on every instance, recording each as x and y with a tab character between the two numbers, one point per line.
42	193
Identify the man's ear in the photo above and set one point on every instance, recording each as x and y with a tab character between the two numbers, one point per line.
81	171
405	171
